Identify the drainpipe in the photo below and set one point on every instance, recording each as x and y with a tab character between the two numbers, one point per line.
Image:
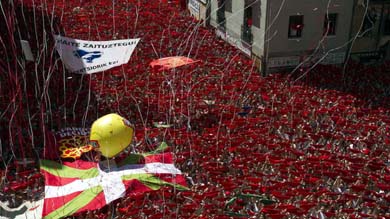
378	35
266	42
349	49
208	12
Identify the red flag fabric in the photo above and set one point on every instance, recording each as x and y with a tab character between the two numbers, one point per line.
172	62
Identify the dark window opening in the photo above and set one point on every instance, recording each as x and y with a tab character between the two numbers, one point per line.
386	21
228	5
369	23
295	26
256	13
221	19
248	16
246	31
330	24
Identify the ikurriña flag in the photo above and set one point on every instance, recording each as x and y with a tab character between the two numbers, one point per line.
73	187
86	57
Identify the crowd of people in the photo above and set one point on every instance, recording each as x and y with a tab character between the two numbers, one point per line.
250	146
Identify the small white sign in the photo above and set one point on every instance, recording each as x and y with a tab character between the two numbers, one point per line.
334	58
27	50
329	59
283	61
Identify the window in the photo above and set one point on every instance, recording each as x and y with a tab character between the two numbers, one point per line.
228	5
221	14
248	16
256	13
246	31
330	24
295	26
386	21
369	22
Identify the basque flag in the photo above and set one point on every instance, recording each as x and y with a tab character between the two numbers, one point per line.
73	187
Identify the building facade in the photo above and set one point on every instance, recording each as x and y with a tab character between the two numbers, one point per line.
370	31
283	34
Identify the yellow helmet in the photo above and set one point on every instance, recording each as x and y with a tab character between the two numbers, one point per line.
111	134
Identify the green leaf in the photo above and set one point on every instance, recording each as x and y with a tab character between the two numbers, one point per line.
231	201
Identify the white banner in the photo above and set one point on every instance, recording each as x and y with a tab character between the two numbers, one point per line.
28	209
86	57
